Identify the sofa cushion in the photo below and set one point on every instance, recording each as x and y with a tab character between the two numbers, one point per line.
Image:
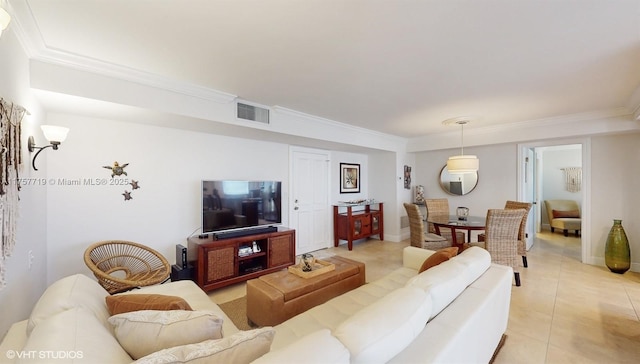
334	312
446	281
242	347
143	332
70	292
73	336
565	214
381	330
306	350
441	255
477	260
137	302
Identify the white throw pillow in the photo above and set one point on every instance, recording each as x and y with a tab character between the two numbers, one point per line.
319	347
383	329
72	336
144	332
242	347
73	291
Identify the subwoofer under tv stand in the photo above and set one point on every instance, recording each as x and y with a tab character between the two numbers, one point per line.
244	232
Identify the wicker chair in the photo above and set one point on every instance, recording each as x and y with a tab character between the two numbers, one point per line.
123	265
420	238
440	207
501	237
522	244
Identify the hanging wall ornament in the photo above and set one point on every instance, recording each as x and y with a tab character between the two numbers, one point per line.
573	178
117	169
10	165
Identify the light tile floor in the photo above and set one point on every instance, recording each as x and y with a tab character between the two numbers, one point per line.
564	312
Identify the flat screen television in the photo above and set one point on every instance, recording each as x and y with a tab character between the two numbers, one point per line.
232	205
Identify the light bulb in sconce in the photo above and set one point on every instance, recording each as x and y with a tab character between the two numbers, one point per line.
5	19
54	134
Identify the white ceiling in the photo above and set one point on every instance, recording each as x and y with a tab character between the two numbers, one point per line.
399	67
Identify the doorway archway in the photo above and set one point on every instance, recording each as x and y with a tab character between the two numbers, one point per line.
528	189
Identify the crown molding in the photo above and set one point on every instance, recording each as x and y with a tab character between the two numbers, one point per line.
29	35
332	123
580	124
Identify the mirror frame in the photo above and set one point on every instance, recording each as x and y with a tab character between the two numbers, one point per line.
442	184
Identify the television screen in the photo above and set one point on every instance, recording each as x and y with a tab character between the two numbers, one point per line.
240	204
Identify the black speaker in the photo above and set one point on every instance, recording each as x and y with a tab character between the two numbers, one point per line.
181	256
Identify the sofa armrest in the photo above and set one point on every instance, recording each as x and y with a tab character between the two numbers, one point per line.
413	257
14	340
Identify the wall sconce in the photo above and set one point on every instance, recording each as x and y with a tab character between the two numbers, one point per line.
5	18
54	134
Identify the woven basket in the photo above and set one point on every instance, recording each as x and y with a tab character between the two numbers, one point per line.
123	265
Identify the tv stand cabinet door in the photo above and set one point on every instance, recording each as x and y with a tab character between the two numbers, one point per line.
220	263
282	250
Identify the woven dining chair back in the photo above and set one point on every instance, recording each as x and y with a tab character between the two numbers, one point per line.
419	237
440	207
501	237
522	241
123	265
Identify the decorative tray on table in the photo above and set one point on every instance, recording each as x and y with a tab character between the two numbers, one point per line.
319	267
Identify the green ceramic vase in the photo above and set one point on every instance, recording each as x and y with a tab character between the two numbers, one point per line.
616	254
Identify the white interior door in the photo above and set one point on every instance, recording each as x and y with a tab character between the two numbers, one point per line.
310	199
529	183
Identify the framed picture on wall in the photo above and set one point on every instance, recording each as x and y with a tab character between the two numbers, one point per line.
349	178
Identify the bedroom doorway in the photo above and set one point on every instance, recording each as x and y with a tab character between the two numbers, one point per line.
531	182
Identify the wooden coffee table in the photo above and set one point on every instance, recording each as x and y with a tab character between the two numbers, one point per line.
276	297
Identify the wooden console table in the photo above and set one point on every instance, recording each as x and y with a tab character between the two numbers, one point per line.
353	225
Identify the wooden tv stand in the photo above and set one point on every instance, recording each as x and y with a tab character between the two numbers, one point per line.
219	263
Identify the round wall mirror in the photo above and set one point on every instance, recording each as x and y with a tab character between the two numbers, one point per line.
458	184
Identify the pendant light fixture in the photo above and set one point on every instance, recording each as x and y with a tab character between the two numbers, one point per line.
461	163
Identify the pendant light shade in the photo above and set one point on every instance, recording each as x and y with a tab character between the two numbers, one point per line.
462	163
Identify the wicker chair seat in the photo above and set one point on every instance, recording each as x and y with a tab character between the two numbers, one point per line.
123	265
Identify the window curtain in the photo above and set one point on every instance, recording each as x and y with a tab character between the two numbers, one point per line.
10	164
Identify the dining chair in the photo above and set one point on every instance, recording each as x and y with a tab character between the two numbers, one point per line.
419	237
522	242
440	207
501	237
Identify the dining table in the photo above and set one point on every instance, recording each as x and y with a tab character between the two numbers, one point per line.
453	223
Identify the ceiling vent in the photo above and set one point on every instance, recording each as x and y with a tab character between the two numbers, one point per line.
253	113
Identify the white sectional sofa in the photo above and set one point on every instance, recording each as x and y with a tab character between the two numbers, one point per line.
455	312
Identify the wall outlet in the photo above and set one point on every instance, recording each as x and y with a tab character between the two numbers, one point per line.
30	256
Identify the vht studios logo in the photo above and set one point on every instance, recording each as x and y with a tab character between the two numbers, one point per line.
44	354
